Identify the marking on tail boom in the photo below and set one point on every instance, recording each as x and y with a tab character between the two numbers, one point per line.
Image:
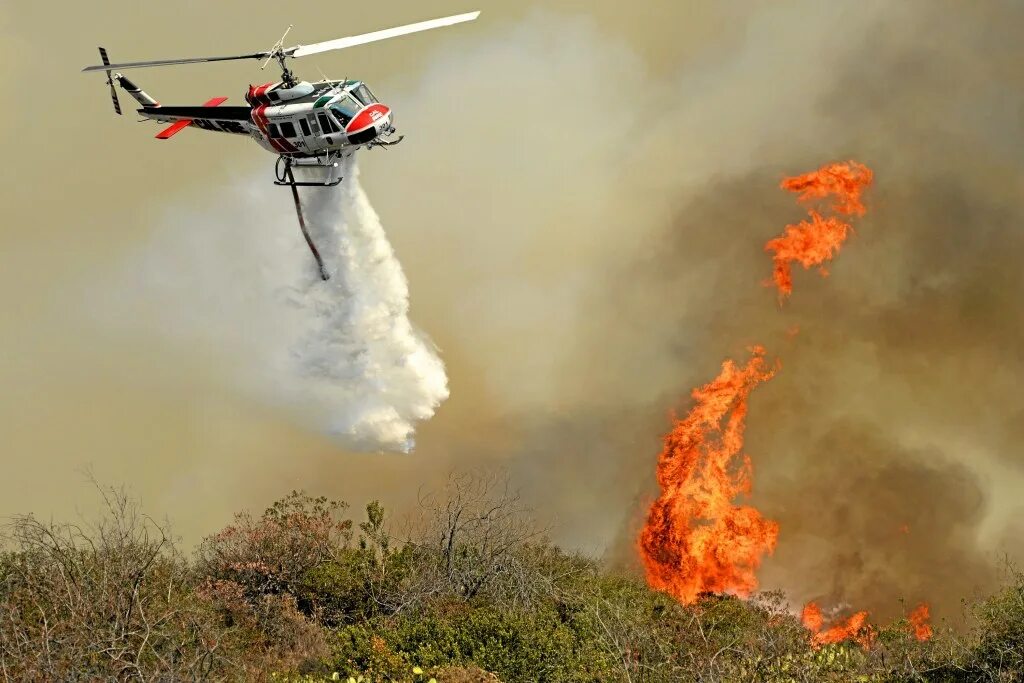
179	126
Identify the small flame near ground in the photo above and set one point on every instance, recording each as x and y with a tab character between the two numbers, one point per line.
919	619
697	539
857	628
818	239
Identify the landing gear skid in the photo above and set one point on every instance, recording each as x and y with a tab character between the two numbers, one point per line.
285	176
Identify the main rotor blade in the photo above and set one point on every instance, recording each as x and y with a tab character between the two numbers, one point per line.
351	41
166	62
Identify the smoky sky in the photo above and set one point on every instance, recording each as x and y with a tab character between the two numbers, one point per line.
580	206
879	444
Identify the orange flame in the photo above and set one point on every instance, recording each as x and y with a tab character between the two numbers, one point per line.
816	241
846	180
854	628
919	619
696	539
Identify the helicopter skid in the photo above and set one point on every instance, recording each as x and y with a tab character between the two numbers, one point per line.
284	176
307	183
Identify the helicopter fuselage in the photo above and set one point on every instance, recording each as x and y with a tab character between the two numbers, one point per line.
306	120
313	119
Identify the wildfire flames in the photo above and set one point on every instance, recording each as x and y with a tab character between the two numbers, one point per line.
696	538
854	628
857	628
919	622
815	241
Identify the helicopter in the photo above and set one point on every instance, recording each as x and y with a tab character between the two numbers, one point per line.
307	124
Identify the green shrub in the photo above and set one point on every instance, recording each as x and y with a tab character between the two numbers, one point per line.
296	592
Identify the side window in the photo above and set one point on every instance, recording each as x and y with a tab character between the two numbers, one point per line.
274	132
305	127
326	123
288	128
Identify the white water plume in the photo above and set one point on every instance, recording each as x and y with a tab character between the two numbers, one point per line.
342	354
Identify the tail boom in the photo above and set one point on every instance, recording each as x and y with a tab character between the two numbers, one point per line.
179	126
135	91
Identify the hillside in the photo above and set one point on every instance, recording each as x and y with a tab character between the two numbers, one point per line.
469	590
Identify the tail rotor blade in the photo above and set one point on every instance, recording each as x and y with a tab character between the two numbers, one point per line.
113	95
110	82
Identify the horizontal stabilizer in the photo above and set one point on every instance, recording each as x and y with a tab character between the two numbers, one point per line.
179	126
173	129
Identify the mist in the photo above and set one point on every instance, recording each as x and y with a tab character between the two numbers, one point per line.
339	355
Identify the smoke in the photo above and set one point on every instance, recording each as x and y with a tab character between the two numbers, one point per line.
341	355
582	220
634	276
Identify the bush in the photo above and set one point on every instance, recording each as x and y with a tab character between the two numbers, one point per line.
998	654
516	646
111	600
274	553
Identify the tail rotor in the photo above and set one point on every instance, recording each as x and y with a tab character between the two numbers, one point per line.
110	81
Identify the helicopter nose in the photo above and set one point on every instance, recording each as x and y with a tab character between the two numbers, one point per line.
369	123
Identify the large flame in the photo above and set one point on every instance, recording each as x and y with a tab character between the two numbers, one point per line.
815	241
696	538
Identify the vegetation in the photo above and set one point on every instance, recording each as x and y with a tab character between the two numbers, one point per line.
473	592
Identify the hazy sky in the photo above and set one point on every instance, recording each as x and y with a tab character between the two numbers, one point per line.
580	207
89	187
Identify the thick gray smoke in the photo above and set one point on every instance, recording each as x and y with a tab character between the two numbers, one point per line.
636	274
341	354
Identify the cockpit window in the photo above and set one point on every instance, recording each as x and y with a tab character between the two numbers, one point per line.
346	108
364	95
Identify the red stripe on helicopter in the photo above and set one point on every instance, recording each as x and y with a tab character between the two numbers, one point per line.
367	118
258	94
281	145
179	126
288	146
261	122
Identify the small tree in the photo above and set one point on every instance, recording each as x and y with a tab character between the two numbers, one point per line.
475	531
